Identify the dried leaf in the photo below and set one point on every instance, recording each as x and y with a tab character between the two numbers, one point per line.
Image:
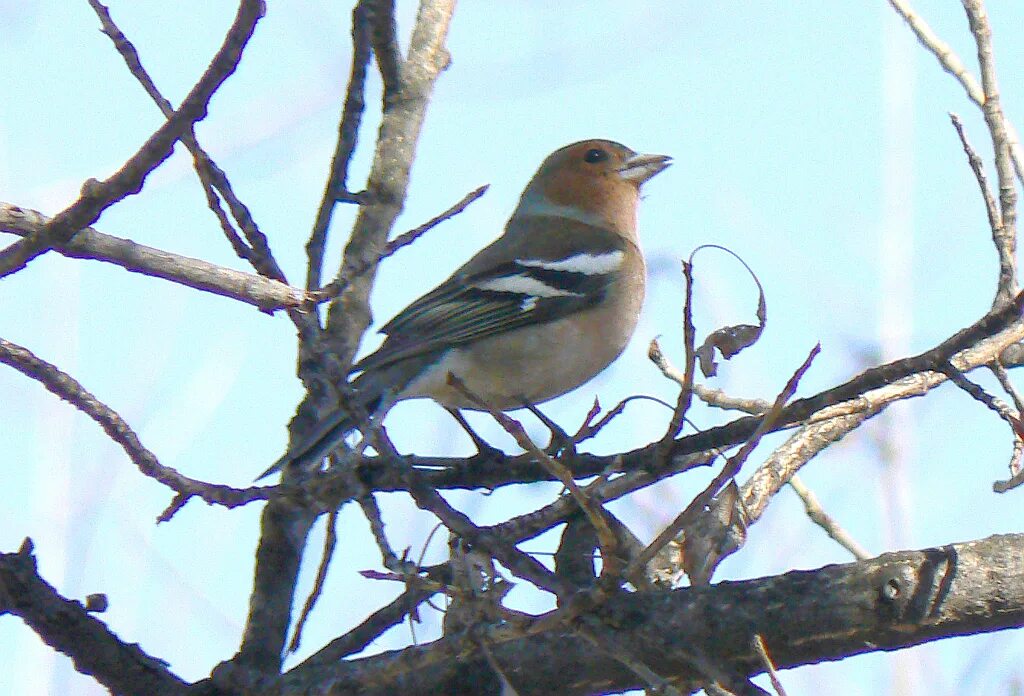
380	575
720	532
730	340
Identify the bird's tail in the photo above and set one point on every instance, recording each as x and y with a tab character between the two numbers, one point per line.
369	390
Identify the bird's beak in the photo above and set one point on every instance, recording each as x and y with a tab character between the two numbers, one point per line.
640	168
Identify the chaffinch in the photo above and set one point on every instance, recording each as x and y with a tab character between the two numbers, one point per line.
537	313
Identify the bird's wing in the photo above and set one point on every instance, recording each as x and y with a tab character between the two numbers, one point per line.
504	288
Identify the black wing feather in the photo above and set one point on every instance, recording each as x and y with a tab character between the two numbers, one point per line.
459	311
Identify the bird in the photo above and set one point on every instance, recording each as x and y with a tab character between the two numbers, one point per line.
535	314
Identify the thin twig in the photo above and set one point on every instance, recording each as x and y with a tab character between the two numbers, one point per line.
686	386
766	660
335	188
978	167
1004	380
69	389
954	65
712	397
732	466
1016	459
390	559
825	521
1000	407
330	541
335	288
264	293
590	428
1012	418
360	637
518	562
407	238
97	196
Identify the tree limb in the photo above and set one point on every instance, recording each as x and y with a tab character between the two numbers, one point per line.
97	196
891	602
66	626
323	360
266	294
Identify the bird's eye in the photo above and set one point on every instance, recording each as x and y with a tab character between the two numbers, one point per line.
595	154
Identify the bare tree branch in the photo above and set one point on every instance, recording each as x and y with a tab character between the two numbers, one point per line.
67	388
379	621
954	65
865	396
713	637
266	294
1005	233
731	468
97	196
212	177
336	287
978	167
825	428
518	562
821	518
324	360
336	187
966	340
894	601
67	627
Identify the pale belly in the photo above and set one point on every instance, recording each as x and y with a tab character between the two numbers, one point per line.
572	353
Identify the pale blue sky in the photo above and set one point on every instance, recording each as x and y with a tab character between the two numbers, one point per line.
802	133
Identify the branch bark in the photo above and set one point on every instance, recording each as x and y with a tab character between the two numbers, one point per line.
322	360
259	291
97	196
887	603
67	627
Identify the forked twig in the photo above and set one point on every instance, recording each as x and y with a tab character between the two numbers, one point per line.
732	466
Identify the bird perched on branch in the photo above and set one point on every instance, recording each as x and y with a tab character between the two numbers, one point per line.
535	314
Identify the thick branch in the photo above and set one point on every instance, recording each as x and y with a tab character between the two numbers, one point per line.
1005	234
66	626
891	602
285	526
389	175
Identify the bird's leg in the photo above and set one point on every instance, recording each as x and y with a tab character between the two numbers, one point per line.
561	442
484	451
